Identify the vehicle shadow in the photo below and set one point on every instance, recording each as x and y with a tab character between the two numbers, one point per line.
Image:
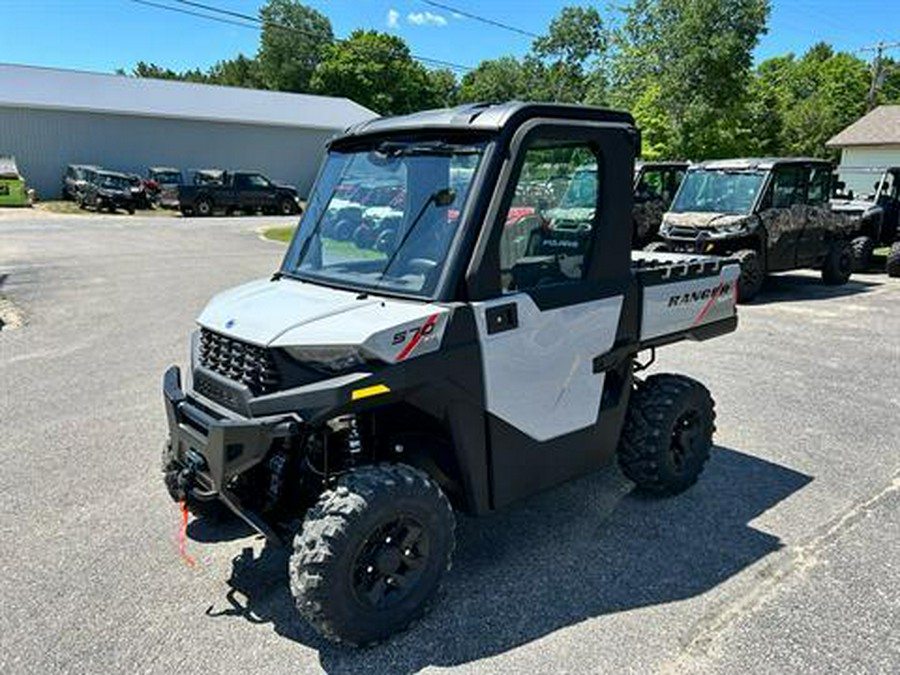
583	550
797	287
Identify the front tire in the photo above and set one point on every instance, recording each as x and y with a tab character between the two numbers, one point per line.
862	249
752	276
893	260
372	553
668	434
838	265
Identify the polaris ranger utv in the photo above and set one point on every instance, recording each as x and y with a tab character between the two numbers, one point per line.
873	210
369	394
772	215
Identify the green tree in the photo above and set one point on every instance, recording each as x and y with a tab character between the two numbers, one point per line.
294	40
375	70
157	72
445	86
699	54
494	81
575	36
240	71
798	104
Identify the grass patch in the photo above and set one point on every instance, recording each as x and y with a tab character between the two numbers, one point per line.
279	233
72	209
331	248
58	206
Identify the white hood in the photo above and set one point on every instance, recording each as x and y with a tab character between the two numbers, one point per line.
289	312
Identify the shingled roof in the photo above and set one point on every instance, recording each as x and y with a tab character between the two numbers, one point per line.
879	127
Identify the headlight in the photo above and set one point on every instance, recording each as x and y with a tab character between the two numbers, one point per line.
332	359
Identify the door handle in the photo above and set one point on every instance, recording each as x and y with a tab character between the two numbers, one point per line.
501	318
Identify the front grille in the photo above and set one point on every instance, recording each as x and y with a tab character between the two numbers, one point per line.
683	232
239	361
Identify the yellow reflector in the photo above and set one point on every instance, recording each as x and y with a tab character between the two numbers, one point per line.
374	390
709	247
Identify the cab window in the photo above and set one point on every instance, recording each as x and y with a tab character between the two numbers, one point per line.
787	189
549	226
819	185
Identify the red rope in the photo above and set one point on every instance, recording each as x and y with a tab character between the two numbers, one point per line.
182	535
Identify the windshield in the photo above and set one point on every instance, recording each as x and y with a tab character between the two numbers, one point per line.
718	191
384	217
113	182
860	183
582	190
167	177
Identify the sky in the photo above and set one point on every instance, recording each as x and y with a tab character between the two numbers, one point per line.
103	35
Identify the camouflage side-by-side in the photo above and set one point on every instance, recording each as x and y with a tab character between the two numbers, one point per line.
772	214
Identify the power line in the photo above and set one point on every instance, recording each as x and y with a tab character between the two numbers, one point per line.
877	69
482	19
295	29
149	3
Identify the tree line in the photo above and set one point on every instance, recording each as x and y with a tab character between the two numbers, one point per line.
684	68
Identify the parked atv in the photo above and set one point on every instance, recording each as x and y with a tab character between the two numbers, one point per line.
772	215
875	215
655	186
369	397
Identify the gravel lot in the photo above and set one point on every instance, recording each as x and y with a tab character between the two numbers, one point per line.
784	558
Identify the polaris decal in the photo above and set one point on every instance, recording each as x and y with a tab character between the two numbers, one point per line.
718	291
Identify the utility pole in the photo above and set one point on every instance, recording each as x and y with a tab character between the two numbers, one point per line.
877	69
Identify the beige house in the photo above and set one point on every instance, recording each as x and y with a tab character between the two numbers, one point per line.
872	141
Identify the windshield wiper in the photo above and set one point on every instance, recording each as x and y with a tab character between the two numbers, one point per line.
443	197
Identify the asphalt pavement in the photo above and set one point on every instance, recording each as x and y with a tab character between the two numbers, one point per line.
785	557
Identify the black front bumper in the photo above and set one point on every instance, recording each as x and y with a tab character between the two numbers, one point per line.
209	449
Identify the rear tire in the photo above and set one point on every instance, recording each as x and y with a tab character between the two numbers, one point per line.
668	434
203	207
862	248
893	260
753	276
287	207
372	553
838	265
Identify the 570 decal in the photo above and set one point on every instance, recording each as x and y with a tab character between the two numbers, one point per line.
412	336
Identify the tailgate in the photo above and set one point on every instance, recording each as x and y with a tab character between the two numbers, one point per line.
686	296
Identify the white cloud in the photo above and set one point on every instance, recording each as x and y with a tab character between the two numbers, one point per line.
457	16
426	19
393	18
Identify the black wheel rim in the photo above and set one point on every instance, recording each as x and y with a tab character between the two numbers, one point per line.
286	208
390	563
687	434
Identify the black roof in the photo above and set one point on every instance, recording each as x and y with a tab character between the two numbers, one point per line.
484	117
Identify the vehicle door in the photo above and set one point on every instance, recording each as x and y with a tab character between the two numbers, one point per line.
255	191
820	223
651	199
783	214
549	309
889	200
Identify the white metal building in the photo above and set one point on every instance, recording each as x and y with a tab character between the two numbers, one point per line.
872	141
50	118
